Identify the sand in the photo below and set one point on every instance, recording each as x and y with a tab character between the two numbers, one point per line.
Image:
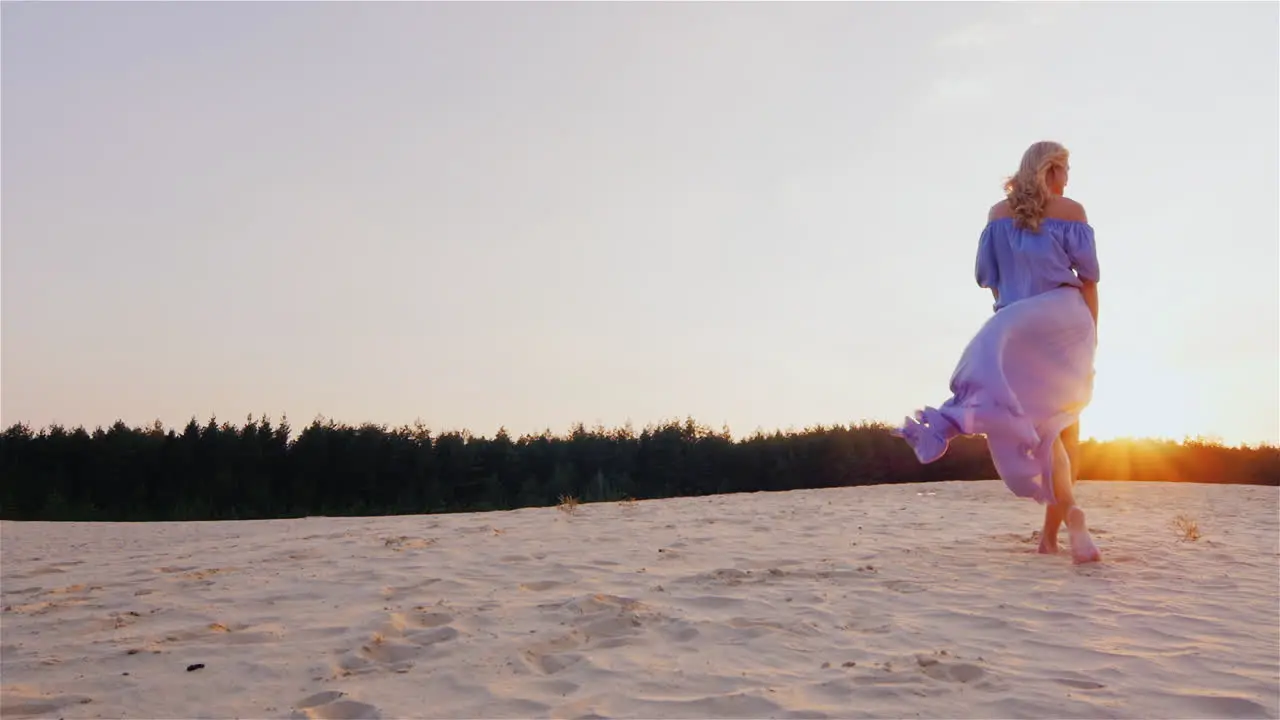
887	601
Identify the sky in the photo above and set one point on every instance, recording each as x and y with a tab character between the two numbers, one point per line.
528	215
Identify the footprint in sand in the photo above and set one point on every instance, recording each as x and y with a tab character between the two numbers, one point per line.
678	631
549	663
1224	706
401	642
21	704
55	599
1081	684
81	589
597	622
432	636
330	705
297	556
552	656
950	671
406	542
755	627
234	634
427	617
541	585
393	593
395	655
730	577
905	587
37	572
199	575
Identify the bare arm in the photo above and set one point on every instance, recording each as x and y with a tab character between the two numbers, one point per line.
1090	291
1068	209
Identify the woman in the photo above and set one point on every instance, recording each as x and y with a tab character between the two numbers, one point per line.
1028	373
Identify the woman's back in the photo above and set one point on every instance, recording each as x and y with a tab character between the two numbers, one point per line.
1018	263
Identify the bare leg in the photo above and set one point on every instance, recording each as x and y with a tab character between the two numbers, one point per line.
1049	533
1053	514
1083	549
1071	440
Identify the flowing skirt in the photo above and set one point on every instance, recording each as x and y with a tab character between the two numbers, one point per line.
1023	379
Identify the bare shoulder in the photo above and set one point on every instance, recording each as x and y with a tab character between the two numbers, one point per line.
1064	208
999	211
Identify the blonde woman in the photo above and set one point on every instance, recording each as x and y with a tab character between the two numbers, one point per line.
1028	373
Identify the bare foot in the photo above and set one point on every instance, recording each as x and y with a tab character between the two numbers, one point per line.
1082	548
1048	547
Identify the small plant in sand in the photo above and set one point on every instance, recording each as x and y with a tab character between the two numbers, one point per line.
568	505
1186	527
628	503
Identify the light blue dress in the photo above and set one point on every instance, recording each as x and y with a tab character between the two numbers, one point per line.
1028	372
1019	264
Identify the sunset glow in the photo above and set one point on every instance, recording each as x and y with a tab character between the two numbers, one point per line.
1133	400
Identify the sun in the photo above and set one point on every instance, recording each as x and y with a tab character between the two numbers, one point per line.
1134	398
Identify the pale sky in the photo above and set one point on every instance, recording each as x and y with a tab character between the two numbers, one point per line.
534	214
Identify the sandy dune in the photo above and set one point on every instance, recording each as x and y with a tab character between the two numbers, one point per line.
888	601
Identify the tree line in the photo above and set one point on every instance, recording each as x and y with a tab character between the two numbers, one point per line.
221	471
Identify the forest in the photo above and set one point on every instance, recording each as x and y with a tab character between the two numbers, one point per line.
260	469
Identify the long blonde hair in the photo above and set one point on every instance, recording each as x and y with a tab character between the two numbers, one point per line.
1028	190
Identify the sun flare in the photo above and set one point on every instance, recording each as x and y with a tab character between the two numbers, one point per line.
1134	399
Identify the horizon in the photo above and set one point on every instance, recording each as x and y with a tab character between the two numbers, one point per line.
534	215
627	428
